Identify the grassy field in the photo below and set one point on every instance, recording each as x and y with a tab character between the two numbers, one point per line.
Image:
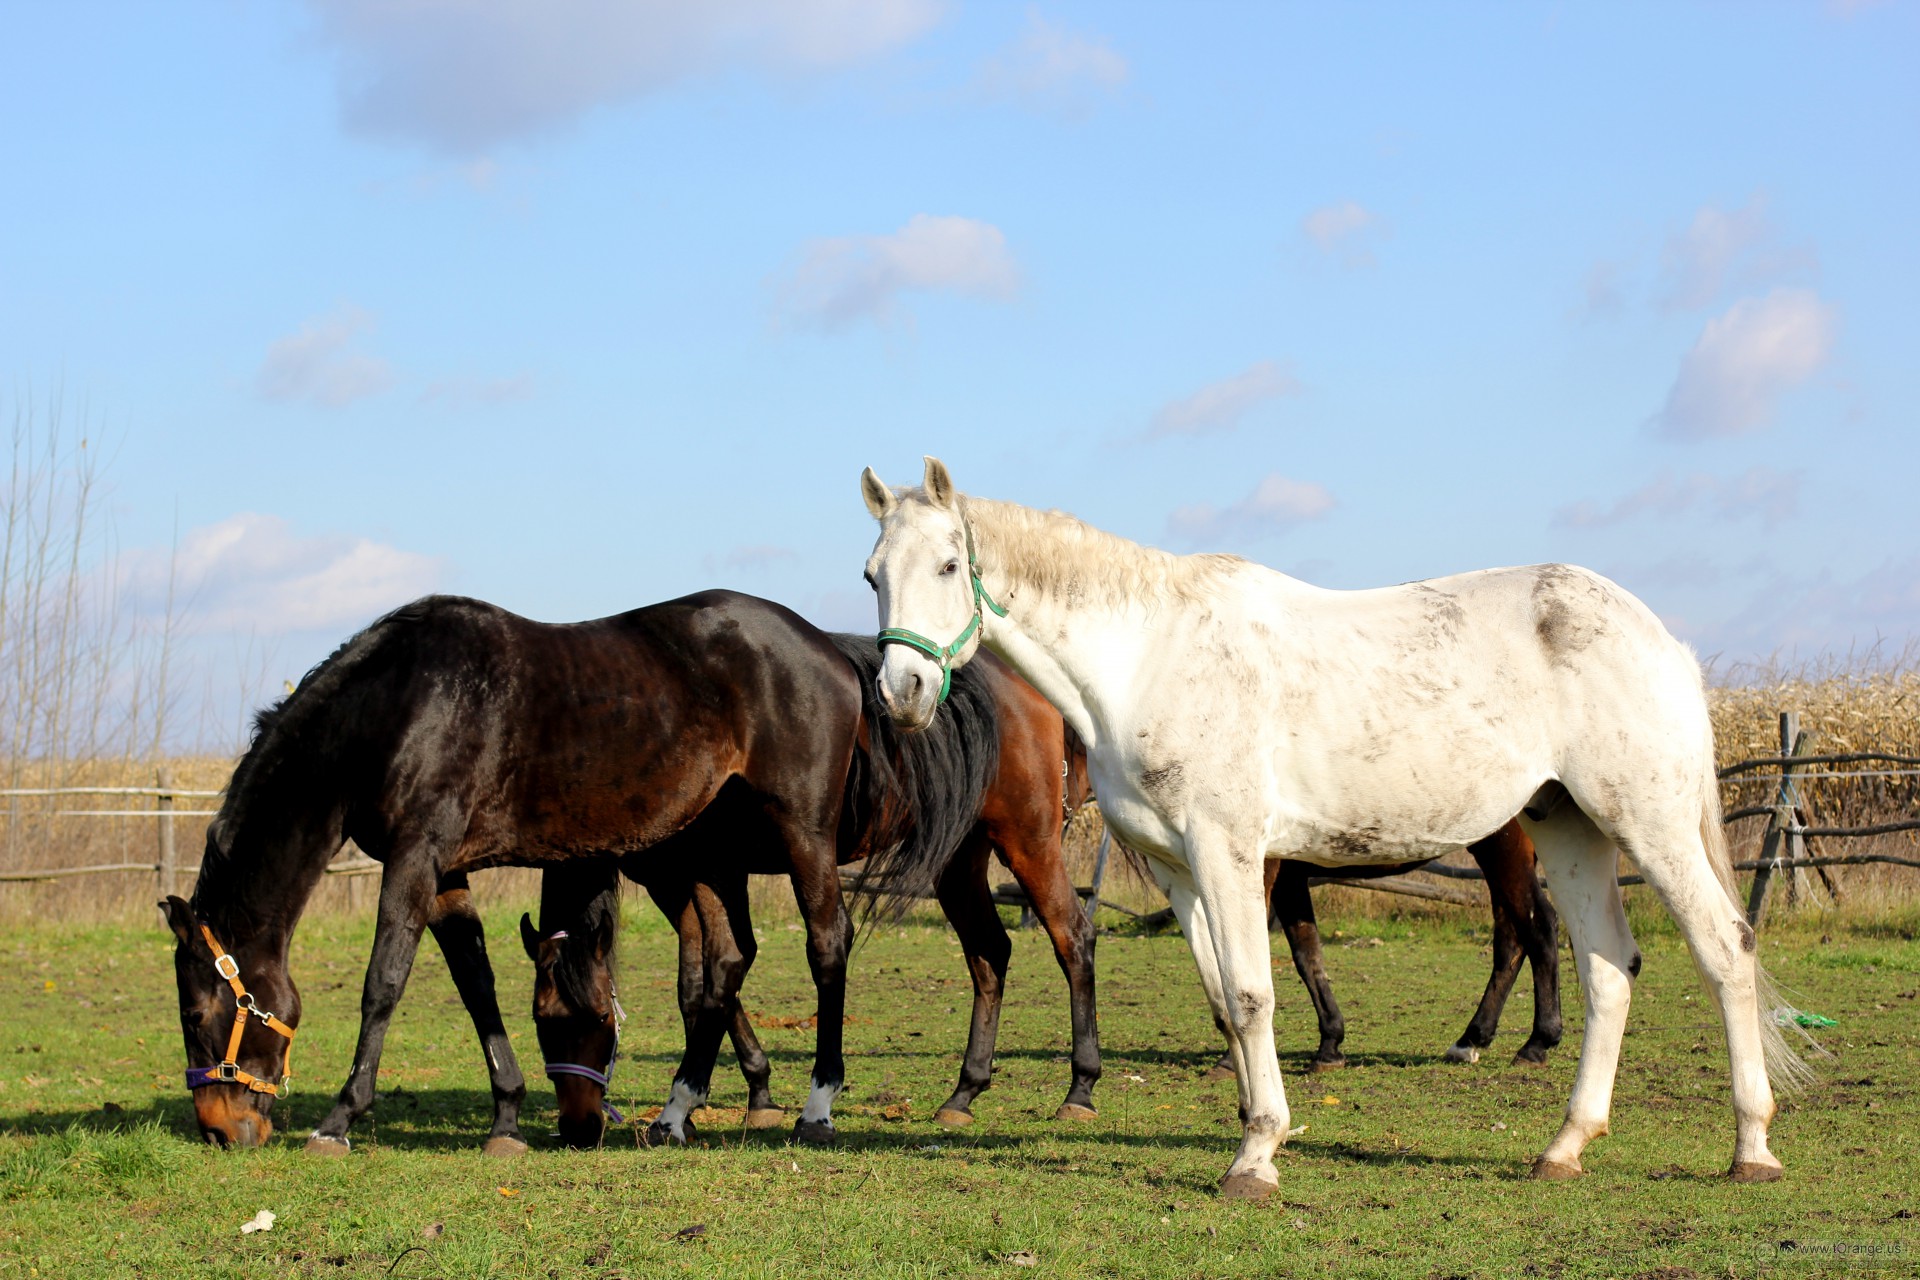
1408	1166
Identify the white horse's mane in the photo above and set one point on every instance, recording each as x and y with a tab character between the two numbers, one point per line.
1062	557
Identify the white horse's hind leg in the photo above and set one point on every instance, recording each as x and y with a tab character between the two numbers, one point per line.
1579	862
1232	905
1723	949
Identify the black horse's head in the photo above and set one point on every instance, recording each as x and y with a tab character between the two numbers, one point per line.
224	983
576	1015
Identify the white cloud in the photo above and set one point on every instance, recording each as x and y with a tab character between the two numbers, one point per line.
846	278
1744	360
251	572
1772	496
1346	231
1824	613
1219	406
1053	68
317	366
461	393
1724	249
1275	505
463	77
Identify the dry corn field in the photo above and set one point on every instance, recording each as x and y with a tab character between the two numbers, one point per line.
1877	710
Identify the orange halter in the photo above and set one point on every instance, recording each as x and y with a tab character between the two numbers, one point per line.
228	1070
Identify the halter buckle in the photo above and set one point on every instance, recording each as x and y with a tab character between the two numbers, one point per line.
226	966
227	1072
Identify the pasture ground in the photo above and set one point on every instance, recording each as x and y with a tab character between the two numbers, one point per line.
1409	1166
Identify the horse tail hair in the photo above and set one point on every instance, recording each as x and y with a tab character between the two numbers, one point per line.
914	797
1789	1072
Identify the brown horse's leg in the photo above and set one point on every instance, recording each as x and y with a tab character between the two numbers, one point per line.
1042	872
407	891
456	927
816	887
762	1111
968	902
1293	907
1524	924
726	953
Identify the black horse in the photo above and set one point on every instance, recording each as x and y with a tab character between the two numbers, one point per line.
452	735
1038	781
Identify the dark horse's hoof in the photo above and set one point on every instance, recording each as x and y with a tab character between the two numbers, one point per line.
815	1133
1753	1171
1328	1064
953	1117
1217	1072
1247	1186
766	1117
1533	1058
1074	1111
660	1135
505	1146
1545	1170
319	1146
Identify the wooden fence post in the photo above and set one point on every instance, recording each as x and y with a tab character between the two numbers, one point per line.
166	870
1099	869
1783	827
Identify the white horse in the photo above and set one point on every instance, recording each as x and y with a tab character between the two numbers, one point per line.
1233	714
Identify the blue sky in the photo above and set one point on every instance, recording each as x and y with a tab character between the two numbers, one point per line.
579	305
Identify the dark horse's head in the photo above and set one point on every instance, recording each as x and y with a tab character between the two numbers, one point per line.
576	1015
233	1083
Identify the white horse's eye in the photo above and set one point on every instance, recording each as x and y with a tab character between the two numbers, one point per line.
870	581
951	566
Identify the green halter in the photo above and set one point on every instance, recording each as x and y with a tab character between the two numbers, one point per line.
944	656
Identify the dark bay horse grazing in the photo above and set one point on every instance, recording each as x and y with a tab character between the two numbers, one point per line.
1021	816
452	735
1525	926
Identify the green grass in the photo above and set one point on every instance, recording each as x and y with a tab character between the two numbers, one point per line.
1417	1170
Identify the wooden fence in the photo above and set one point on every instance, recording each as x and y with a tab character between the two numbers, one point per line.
1786	849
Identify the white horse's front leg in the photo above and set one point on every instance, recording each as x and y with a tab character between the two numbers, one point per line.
1232	913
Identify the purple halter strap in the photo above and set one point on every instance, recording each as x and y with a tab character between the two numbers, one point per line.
602	1078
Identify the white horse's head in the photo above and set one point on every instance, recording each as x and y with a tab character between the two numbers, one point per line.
932	608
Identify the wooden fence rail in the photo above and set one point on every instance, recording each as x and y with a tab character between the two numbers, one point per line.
1784	845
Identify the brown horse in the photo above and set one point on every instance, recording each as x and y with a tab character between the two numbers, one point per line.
452	735
1039	781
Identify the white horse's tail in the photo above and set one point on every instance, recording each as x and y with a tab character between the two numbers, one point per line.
1786	1069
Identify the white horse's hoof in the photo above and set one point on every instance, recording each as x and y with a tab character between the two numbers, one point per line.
1248	1186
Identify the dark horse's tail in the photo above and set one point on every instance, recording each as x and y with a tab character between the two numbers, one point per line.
912	797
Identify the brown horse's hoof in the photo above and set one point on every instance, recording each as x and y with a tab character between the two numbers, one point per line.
660	1135
1462	1053
1327	1064
766	1117
1754	1171
1247	1186
1522	1060
1545	1170
953	1117
1074	1111
1217	1073
319	1146
504	1146
815	1133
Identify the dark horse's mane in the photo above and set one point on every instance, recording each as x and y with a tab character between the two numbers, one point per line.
912	797
588	947
290	752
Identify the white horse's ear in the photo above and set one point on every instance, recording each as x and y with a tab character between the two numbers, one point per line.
939	484
880	500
